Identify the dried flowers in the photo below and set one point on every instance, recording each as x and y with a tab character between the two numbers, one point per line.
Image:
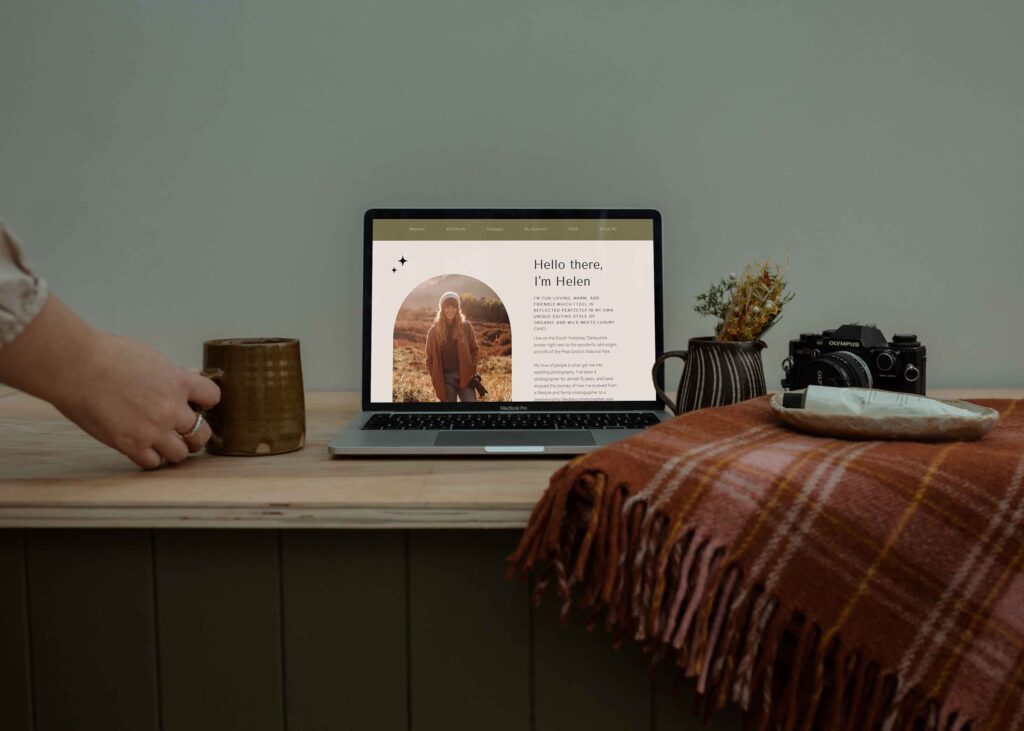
746	306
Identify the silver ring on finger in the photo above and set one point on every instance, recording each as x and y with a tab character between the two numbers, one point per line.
195	428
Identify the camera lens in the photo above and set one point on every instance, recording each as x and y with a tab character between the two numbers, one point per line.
841	368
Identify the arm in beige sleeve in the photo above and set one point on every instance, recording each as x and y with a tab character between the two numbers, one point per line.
122	392
22	291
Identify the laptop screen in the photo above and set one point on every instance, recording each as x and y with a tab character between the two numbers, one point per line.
469	309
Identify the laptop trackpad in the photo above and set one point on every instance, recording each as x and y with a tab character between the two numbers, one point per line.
546	438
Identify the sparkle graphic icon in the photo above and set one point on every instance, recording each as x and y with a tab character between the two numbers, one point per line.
403	260
394	269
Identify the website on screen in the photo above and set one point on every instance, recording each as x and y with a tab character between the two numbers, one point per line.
507	310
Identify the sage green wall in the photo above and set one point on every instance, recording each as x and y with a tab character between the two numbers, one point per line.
186	170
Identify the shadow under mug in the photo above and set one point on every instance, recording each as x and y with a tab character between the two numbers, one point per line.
262	407
716	373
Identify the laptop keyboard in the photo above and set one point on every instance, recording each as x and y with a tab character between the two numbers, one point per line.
612	420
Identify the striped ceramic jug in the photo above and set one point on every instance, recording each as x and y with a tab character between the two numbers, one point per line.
716	374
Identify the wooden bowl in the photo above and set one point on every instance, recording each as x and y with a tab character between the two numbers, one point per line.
912	428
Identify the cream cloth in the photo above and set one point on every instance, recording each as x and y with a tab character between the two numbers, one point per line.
22	291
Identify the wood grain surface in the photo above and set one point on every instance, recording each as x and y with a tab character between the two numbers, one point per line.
54	475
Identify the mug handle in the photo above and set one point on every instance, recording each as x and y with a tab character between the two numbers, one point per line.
654	376
214	374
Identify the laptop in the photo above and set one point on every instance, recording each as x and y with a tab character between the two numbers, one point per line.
507	332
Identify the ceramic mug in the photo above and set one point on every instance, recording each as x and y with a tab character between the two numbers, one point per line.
262	408
716	374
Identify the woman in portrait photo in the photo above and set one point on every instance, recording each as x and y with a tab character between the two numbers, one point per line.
452	351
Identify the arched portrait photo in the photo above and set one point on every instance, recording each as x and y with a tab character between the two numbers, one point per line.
452	343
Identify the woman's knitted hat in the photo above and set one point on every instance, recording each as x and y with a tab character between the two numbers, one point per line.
449	296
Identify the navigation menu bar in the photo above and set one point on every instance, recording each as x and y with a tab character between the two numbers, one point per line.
513	229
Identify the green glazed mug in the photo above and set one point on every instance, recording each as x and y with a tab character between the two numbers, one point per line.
262	408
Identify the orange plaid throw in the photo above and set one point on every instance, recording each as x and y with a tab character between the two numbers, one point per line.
819	583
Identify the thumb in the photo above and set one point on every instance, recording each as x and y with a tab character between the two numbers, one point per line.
202	391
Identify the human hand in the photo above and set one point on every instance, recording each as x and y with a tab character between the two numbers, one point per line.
122	392
130	397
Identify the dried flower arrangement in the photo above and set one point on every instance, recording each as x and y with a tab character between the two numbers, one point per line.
748	306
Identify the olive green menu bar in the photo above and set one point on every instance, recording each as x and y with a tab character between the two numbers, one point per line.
512	229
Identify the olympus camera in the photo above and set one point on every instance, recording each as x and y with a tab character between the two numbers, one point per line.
858	356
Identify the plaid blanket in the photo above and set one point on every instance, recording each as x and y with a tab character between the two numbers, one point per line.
818	583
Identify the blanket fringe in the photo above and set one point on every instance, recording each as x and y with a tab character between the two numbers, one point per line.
668	586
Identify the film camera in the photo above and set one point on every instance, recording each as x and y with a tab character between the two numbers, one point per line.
856	355
478	385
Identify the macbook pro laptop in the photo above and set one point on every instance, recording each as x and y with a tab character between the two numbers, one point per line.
507	331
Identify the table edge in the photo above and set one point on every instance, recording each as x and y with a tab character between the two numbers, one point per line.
191	516
412	515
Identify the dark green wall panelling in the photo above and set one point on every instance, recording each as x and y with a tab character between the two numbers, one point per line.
15	687
345	629
580	681
673	703
188	630
92	633
470	633
219	618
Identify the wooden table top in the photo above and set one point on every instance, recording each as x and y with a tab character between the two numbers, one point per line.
54	475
